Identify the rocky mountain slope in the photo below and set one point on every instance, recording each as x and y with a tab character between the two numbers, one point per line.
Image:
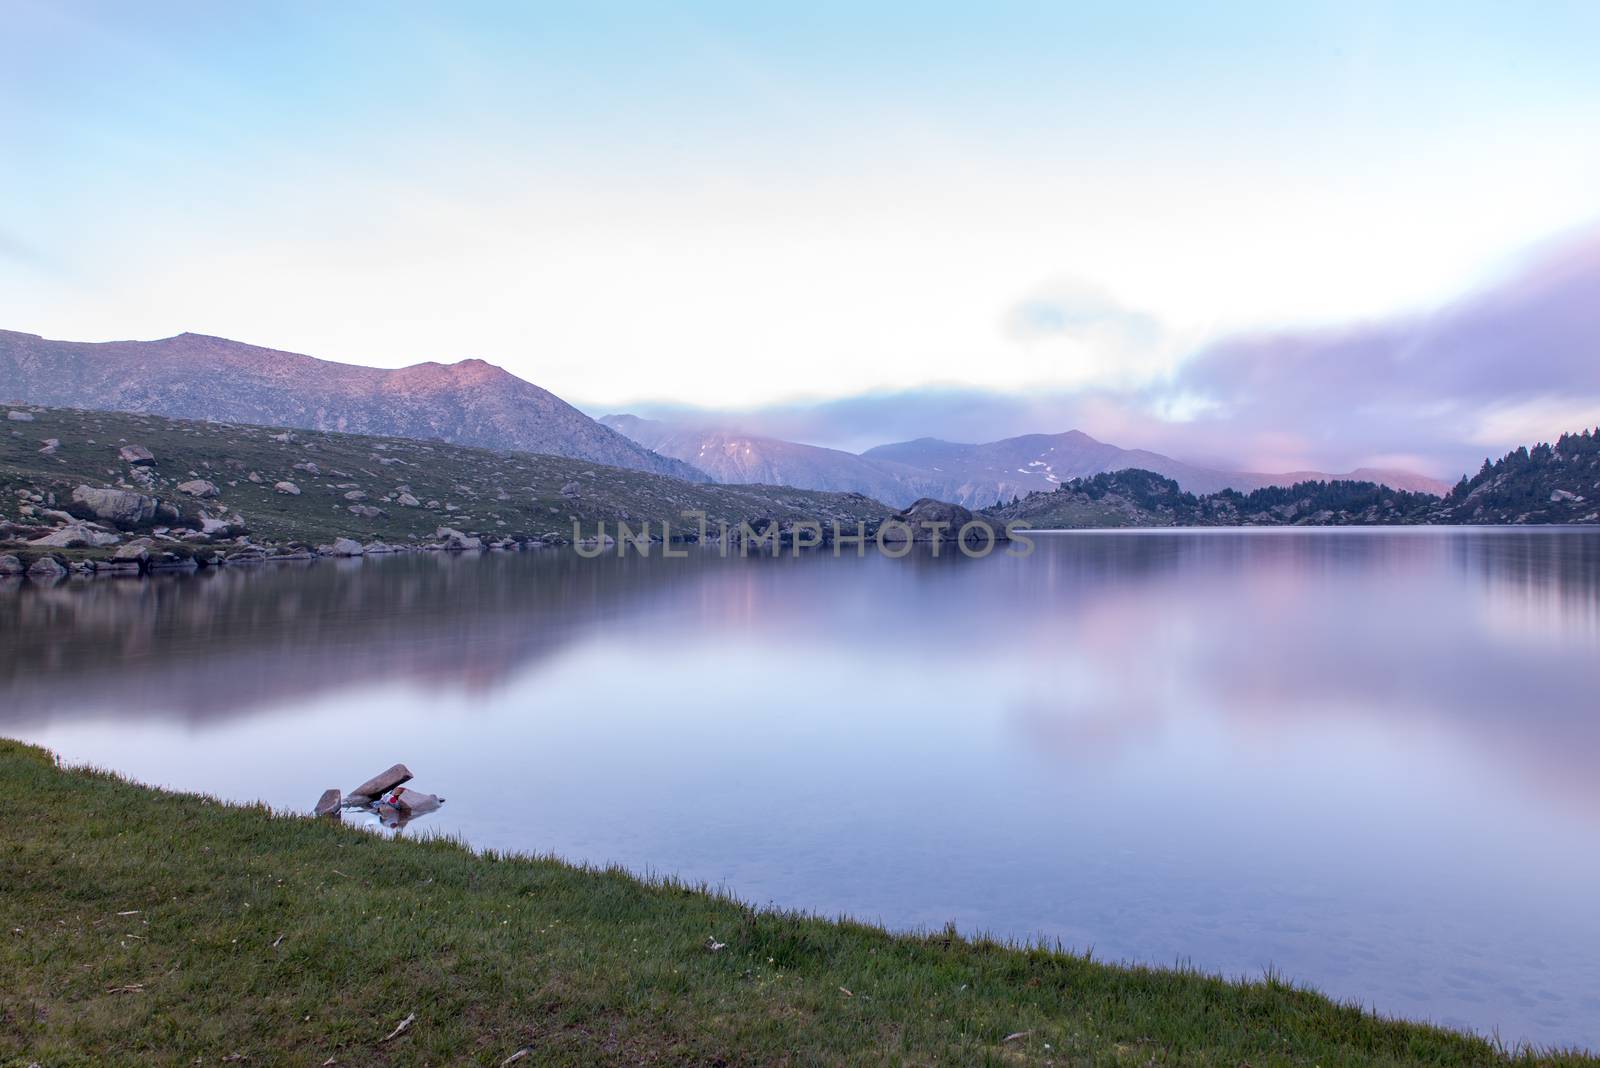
96	481
732	457
193	376
1557	483
971	475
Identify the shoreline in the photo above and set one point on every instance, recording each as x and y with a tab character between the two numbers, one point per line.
299	938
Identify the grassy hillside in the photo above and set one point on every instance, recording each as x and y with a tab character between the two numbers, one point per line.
473	490
142	927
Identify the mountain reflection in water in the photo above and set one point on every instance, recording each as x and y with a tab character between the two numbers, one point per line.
1363	757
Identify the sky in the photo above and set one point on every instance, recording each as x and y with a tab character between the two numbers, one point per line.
1045	212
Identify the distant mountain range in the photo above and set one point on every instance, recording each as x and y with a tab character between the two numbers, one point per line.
973	475
1557	483
193	376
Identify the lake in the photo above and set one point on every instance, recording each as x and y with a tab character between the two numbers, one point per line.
1367	759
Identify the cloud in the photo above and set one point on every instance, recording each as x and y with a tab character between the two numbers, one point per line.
1511	363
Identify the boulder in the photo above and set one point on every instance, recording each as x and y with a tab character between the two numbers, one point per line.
10	565
309	468
137	455
366	511
356	495
927	510
413	802
46	567
287	487
407	501
571	489
456	541
122	507
223	526
383	782
75	535
198	487
20	417
50	446
135	551
255	477
329	803
346	547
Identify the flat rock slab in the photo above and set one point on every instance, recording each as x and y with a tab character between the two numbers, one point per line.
384	781
414	802
328	804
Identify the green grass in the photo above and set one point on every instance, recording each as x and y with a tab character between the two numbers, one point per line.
145	927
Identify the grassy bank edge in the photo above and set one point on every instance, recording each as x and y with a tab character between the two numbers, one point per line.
146	926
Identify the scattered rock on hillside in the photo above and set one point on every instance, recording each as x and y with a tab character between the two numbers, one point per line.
122	507
20	417
198	487
571	490
136	454
407	501
287	487
75	535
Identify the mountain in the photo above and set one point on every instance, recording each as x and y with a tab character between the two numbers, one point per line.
1557	483
193	376
972	475
734	458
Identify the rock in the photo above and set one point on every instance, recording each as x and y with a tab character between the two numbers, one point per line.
309	468
136	551
356	495
366	511
10	565
455	540
256	478
20	417
413	802
378	548
287	487
122	507
283	438
50	446
198	487
136	454
927	510
407	501
75	535
46	567
571	489
223	526
346	547
329	803
384	781
1560	495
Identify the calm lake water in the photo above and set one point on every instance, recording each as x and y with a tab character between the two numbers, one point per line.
1367	759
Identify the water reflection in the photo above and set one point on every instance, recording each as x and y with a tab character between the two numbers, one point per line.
1364	757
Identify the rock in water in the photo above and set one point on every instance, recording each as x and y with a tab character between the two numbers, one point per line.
10	565
384	781
347	547
46	567
198	487
122	507
328	803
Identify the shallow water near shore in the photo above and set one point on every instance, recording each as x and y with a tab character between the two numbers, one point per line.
1363	758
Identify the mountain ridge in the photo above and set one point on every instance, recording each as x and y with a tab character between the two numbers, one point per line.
973	475
201	376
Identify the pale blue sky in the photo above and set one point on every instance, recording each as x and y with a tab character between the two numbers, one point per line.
618	201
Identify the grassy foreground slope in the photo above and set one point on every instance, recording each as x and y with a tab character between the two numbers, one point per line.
144	927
